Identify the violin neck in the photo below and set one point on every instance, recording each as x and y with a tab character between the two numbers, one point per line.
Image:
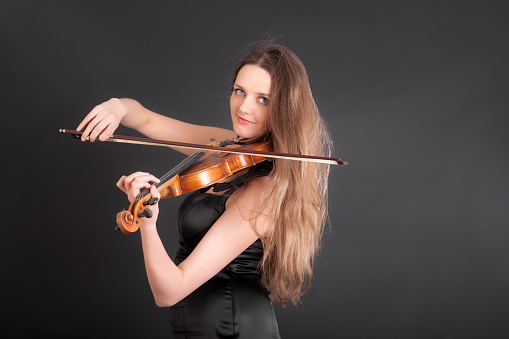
193	158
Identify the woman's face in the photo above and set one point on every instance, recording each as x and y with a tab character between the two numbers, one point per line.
249	103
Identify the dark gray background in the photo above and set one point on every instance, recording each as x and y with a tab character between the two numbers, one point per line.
414	92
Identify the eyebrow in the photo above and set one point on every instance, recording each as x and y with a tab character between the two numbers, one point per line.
259	93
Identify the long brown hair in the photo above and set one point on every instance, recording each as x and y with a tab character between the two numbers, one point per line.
297	190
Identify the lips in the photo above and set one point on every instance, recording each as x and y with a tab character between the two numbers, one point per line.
244	121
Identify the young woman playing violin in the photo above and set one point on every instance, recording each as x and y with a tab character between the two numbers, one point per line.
250	241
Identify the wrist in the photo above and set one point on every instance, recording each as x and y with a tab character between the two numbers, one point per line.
148	225
122	108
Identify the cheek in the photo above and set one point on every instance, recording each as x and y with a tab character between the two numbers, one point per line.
264	115
234	104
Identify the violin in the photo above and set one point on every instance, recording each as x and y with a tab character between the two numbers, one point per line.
198	171
205	172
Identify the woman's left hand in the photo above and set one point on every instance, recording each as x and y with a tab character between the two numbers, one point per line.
132	184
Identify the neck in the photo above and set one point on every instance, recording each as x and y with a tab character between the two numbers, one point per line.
260	138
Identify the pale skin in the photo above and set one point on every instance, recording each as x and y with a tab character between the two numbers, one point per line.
232	233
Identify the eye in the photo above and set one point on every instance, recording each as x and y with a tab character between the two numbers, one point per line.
263	101
238	91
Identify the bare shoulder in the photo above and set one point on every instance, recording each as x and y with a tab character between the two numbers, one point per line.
247	200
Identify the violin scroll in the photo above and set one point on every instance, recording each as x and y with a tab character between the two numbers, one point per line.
128	221
125	222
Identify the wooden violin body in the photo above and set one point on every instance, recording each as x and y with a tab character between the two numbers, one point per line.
203	173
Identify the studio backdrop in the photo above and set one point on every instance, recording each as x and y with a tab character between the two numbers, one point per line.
414	94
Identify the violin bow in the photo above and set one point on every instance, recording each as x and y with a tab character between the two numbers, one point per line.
185	145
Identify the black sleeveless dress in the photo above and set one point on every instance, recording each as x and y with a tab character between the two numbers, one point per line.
232	304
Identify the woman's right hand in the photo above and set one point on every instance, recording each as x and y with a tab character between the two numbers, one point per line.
103	120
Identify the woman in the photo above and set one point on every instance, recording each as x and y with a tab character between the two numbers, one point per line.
252	239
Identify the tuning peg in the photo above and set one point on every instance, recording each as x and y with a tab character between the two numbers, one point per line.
147	213
152	201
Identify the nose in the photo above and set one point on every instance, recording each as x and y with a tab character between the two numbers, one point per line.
248	105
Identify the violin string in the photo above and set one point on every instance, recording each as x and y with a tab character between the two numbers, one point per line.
181	166
175	170
171	173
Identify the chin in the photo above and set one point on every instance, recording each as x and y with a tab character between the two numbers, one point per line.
246	134
243	134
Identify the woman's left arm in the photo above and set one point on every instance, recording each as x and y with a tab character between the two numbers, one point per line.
230	235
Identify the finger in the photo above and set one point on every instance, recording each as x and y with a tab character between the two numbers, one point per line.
107	132
154	192
136	181
90	127
143	181
99	130
94	117
154	179
143	176
134	175
85	121
138	184
121	184
128	181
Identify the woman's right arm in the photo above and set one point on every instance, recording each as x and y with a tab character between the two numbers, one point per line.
104	119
